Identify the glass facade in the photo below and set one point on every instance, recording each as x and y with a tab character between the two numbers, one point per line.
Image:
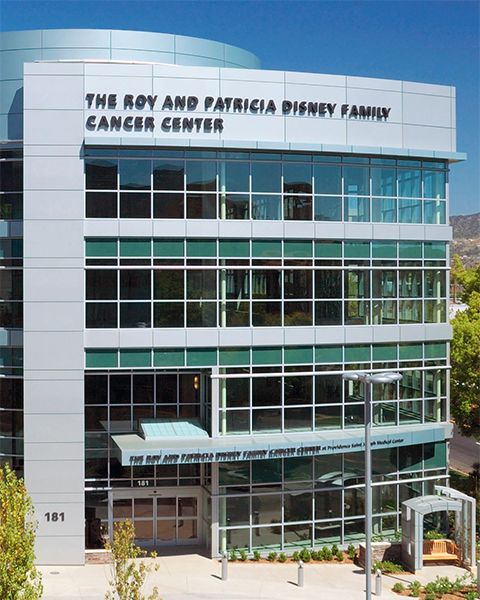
290	503
11	309
265	186
263	283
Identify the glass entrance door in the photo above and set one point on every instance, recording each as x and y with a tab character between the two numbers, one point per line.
162	519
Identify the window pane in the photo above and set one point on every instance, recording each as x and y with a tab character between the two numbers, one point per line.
201	175
356	181
135	284
135	314
384	284
201	206
384	210
201	284
266	177
328	417
201	314
236	206
328	208
135	205
11	206
434	212
297	283
135	174
168	206
266	391
101	285
410	284
383	182
168	175
297	208
267	314
101	314
266	208
101	174
357	209
101	205
168	314
328	313
409	211
297	178
434	184
234	176
267	420
297	313
168	284
328	284
328	505
328	179
409	183
328	389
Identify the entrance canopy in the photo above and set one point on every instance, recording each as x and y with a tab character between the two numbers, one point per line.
184	442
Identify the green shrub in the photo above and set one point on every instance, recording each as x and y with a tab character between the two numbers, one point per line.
398	587
305	555
315	555
256	555
326	553
430	596
282	557
352	552
334	549
243	555
471	595
272	556
339	555
386	566
233	555
415	588
296	556
433	534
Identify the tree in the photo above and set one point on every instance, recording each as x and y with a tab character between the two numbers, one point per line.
19	579
465	354
128	574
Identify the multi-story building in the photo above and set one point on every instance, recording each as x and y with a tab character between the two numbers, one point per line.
193	252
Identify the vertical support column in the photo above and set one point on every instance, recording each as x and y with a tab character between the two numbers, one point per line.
54	202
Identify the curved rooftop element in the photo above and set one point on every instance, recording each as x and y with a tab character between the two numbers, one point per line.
18	47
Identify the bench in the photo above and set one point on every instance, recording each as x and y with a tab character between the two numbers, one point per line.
440	550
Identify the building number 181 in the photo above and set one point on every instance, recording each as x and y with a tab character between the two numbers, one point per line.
55	516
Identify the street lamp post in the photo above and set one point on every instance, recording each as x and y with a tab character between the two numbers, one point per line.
369	380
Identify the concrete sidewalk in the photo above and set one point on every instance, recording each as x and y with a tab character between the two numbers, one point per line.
195	577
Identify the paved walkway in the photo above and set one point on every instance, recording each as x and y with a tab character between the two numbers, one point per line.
194	577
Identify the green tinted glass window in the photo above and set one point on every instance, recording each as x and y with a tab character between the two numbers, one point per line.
328	249
96	359
410	249
235	248
297	248
168	357
199	357
384	249
298	355
234	356
267	248
267	356
101	247
135	247
328	354
410	351
357	353
168	247
357	249
135	358
201	248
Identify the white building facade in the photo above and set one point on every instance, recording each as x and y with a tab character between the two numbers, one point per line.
201	249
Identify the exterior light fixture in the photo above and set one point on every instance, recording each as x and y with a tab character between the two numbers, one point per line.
369	380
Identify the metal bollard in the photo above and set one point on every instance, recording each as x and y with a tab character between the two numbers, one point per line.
224	566
378	582
300	574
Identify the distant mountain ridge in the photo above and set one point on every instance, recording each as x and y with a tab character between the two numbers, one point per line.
466	238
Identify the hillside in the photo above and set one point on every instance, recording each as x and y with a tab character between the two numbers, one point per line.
466	238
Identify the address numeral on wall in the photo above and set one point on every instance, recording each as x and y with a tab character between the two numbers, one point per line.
54	517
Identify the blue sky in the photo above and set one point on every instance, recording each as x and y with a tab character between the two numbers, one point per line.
433	41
